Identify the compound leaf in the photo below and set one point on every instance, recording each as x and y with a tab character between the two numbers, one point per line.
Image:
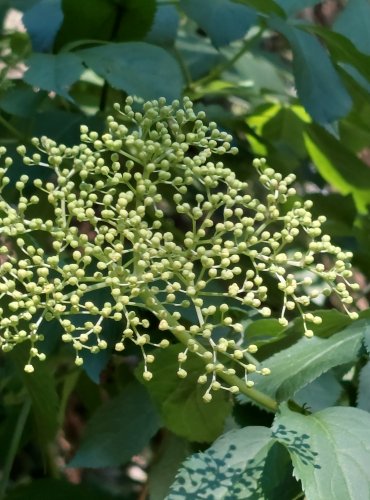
330	451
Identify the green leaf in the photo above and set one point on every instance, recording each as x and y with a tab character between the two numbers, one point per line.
54	72
180	401
171	454
21	101
363	396
231	468
341	48
41	388
42	489
105	20
138	68
42	22
268	7
330	451
354	23
118	430
262	331
320	393
318	85
338	165
293	6
300	364
236	19
277	478
164	27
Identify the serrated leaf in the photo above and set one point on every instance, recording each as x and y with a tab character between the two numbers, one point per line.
180	401
363	396
164	28
230	469
300	364
318	85
41	388
236	19
118	430
42	22
54	72
330	451
171	454
138	68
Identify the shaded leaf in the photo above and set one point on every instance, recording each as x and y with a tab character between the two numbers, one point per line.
236	19
338	165
43	489
42	22
277	478
293	6
21	101
164	27
320	393
105	20
180	401
268	7
341	48
118	430
138	68
54	72
354	23
330	451
318	85
231	468
171	454
41	388
363	396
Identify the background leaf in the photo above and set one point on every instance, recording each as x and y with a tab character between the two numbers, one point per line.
236	19
180	401
318	85
337	164
118	430
354	23
320	393
42	22
138	68
43	489
41	388
54	72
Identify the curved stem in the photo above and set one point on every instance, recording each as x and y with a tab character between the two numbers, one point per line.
184	337
18	431
219	69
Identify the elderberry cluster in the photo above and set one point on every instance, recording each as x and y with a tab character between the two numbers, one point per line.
103	219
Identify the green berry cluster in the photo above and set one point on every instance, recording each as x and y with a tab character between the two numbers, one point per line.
103	222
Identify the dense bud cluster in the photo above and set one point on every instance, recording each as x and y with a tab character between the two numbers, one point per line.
104	216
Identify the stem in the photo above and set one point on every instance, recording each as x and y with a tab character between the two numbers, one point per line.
11	129
184	337
220	68
18	431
